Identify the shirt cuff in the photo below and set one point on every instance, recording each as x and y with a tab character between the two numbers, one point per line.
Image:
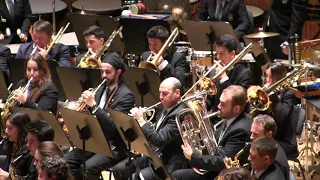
222	80
163	65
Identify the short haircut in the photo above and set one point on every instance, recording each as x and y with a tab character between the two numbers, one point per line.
228	41
94	30
49	148
55	166
43	26
266	146
177	85
158	32
268	123
238	95
235	173
42	129
277	70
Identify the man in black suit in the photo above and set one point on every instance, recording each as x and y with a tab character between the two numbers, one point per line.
264	125
4	56
41	35
234	12
164	135
231	137
226	47
287	18
115	95
171	63
262	154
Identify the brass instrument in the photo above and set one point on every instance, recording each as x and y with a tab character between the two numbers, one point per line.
56	39
259	97
93	61
207	84
195	128
153	63
11	102
236	163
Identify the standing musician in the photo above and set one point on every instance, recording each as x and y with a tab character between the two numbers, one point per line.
18	156
234	12
262	154
226	47
114	95
17	15
41	36
231	136
172	64
164	134
42	93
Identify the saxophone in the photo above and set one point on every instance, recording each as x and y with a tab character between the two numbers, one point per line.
236	163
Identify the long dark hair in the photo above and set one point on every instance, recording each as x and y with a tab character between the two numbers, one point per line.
18	119
44	74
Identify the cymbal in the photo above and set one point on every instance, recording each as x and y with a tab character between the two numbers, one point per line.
262	35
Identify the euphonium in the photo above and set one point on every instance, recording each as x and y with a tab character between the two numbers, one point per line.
259	97
153	63
236	163
93	61
11	102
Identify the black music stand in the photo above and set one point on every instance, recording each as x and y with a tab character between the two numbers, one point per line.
133	136
75	80
3	88
86	133
59	135
135	38
144	83
107	24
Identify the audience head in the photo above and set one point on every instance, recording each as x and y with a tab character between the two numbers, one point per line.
170	92
46	149
157	36
41	33
94	37
226	48
263	125
54	168
235	173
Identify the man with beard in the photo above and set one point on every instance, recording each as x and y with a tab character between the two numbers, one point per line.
115	95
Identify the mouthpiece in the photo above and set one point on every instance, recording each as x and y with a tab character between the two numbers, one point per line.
4	140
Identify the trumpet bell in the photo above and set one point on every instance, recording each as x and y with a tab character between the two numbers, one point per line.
149	65
258	98
208	85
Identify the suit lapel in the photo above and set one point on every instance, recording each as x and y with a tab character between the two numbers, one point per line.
5	11
226	11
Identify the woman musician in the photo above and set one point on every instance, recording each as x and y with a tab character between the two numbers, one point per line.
42	93
18	158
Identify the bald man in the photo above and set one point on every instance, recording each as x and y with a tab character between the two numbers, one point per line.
164	134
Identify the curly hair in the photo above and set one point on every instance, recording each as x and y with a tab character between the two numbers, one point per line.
57	167
235	173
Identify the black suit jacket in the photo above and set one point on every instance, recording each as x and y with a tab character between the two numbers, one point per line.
60	53
4	56
233	140
123	100
239	75
22	164
272	172
282	162
176	65
47	99
234	12
22	17
167	138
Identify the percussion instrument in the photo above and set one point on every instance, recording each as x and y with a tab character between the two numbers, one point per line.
262	35
202	58
96	6
256	12
45	6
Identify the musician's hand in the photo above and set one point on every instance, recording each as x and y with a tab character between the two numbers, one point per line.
3	174
285	48
23	37
41	51
19	96
219	68
137	113
88	98
160	60
187	150
1	37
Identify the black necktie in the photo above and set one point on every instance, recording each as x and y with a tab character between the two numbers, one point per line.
11	8
219	9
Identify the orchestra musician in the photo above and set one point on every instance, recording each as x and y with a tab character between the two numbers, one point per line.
234	12
46	149
173	63
54	168
164	135
115	95
230	136
18	157
17	15
41	36
42	93
235	173
5	54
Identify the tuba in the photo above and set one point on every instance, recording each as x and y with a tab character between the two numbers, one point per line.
94	61
236	163
259	97
195	127
153	63
10	102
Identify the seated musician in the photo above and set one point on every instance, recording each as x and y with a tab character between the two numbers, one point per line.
18	157
234	12
46	149
281	110
171	63
17	15
54	168
264	125
226	47
262	154
41	36
231	137
235	173
164	135
4	56
115	95
42	93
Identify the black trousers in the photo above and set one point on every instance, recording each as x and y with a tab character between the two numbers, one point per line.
95	163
